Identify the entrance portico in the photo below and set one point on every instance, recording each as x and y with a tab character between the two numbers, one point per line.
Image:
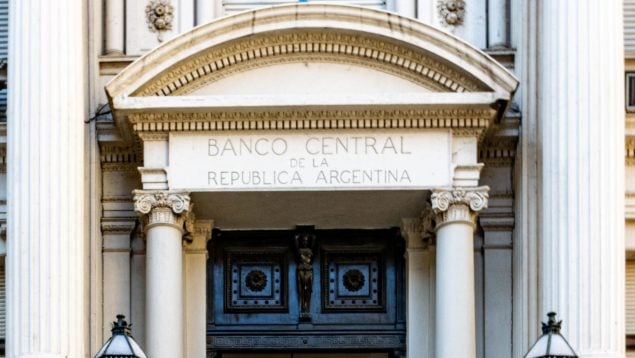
376	118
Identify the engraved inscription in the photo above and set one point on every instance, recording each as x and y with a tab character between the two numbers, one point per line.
302	161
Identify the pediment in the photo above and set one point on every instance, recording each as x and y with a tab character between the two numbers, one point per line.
313	77
293	66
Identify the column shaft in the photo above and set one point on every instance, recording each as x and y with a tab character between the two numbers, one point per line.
497	24
46	261
164	292
455	300
205	11
581	168
115	15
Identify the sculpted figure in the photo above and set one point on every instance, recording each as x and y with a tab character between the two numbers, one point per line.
304	244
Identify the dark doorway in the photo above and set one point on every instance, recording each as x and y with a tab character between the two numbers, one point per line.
306	293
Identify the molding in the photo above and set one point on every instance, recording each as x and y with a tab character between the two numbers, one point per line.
116	226
629	209
630	151
466	175
458	204
119	157
154	178
148	123
300	46
154	136
372	340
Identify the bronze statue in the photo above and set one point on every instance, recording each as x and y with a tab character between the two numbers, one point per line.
304	244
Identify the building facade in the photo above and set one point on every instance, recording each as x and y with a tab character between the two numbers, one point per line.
276	179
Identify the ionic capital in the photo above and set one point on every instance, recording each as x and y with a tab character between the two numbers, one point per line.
162	207
458	204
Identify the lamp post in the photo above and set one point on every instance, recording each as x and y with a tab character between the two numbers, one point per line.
551	344
121	344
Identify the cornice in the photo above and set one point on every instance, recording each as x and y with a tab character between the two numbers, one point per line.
466	118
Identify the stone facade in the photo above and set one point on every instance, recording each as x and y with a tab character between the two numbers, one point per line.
141	130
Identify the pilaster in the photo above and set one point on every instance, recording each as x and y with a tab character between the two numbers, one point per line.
47	285
420	278
116	269
195	272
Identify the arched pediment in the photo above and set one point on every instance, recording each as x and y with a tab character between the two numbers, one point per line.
390	47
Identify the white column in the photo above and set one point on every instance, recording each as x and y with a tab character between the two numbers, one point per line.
419	287
195	290
205	11
497	24
580	112
456	210
405	7
47	313
115	15
165	213
116	271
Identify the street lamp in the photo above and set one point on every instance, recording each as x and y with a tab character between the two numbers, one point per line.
551	344
121	344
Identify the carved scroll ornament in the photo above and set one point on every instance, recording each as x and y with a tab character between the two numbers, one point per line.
458	204
159	206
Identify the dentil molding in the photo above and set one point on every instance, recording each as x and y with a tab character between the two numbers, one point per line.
458	204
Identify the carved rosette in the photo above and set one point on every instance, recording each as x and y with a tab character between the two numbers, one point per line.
452	11
159	15
162	207
458	204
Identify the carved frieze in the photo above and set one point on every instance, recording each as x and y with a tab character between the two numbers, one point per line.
458	204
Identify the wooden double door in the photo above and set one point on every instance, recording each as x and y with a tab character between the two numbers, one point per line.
306	293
